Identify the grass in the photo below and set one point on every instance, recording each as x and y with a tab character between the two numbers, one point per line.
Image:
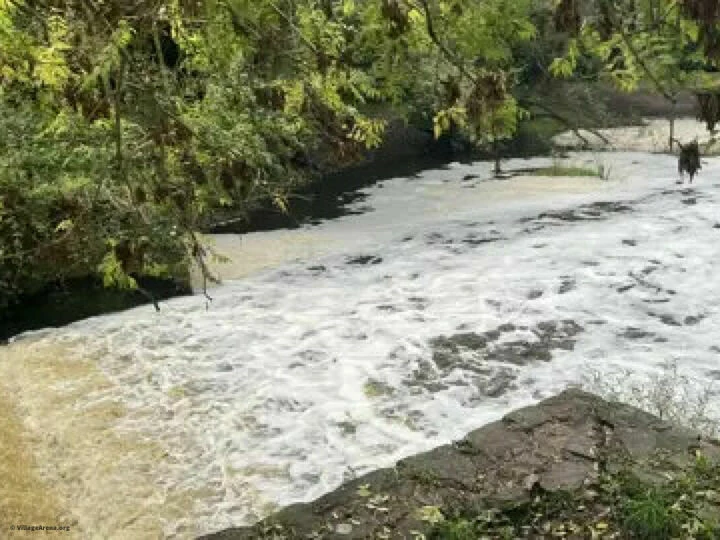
621	506
561	170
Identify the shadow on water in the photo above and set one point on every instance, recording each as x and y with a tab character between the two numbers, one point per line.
58	305
330	197
407	152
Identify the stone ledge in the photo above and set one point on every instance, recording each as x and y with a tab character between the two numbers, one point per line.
560	444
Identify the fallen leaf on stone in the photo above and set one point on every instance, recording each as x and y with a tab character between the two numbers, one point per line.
343	528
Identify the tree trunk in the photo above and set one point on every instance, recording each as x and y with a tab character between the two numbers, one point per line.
496	151
672	123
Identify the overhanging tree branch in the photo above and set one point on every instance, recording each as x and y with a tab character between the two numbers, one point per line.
430	27
636	54
527	103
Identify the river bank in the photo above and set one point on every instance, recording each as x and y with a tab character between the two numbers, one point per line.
407	151
570	467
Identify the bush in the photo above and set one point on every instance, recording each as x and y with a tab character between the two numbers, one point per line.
669	394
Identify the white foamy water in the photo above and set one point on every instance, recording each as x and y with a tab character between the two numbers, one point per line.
650	137
297	377
404	203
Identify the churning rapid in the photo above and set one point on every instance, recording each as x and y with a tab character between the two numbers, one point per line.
452	299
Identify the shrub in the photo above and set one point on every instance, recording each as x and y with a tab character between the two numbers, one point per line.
669	394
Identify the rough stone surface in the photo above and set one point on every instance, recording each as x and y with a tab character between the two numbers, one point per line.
559	444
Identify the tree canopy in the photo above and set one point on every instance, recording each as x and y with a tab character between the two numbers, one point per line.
127	124
666	45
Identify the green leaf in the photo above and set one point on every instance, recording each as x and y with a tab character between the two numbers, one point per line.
64	225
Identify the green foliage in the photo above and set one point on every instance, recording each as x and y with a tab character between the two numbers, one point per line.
560	170
565	67
127	121
649	515
645	42
459	529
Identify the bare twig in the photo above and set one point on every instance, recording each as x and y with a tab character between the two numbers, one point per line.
150	296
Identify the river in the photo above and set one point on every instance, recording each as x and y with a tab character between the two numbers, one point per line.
448	299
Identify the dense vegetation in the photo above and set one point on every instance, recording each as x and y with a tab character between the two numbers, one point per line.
125	126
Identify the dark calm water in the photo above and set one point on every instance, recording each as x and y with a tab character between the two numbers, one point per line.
61	304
